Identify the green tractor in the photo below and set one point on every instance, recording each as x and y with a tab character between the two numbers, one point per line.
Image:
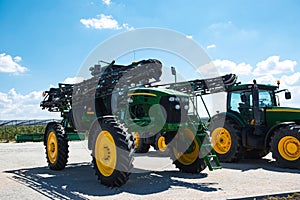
254	125
123	110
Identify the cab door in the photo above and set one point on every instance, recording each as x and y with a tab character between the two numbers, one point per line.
241	102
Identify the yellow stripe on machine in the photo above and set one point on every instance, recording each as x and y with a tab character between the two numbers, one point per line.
282	110
142	93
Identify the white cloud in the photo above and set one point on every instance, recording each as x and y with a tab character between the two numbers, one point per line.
18	106
272	65
212	46
292	79
73	80
266	79
106	2
127	27
11	65
227	66
208	70
104	22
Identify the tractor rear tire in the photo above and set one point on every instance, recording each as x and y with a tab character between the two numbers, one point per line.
186	156
226	140
285	146
112	152
56	144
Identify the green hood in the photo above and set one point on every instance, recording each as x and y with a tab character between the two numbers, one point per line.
276	115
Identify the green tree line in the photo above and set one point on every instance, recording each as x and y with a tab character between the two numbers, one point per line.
8	133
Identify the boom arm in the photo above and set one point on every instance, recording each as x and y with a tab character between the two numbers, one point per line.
204	86
105	80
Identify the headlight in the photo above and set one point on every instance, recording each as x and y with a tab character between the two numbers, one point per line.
177	99
186	107
177	107
129	100
171	99
186	99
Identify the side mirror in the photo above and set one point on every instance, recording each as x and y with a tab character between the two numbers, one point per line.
287	95
243	98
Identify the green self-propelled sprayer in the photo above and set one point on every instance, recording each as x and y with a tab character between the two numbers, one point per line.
124	111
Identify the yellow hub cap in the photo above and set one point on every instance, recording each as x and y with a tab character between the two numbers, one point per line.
137	139
221	140
161	143
105	153
289	148
52	147
188	158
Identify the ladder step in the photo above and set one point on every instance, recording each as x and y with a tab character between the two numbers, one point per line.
206	145
211	156
209	162
217	167
201	134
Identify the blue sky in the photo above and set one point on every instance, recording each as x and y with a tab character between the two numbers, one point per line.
45	42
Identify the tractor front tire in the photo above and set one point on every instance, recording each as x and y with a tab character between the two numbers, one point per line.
185	153
56	144
226	140
112	152
140	146
285	146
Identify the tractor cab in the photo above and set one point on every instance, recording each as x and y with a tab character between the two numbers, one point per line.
240	100
252	101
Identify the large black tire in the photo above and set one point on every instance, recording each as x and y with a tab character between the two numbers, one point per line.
140	146
285	146
226	140
112	152
255	154
56	144
185	153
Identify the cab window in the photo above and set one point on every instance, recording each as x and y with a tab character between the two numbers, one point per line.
265	98
240	100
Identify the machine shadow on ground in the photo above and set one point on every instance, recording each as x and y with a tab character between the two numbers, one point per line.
77	181
253	164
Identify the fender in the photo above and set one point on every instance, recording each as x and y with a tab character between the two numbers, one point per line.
231	115
273	128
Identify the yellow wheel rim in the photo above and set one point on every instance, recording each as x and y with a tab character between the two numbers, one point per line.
52	147
289	148
161	144
105	153
137	139
188	158
221	140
